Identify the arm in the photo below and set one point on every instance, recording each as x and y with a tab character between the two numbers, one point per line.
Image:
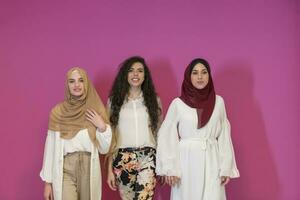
111	179
46	172
228	167
104	139
167	161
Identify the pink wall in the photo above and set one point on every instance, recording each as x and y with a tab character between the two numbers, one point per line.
253	47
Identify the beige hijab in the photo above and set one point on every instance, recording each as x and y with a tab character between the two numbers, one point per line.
68	117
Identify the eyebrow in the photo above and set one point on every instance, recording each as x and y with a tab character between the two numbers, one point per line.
72	79
138	68
201	70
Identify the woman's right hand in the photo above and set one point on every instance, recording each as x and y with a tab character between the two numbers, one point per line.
111	180
48	194
172	180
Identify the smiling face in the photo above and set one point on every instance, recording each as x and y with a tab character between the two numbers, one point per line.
136	75
76	84
199	76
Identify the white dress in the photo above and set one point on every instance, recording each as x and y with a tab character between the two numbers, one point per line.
198	156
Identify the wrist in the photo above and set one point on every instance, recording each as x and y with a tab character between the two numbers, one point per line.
102	127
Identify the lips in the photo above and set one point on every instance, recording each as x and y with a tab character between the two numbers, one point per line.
135	79
77	90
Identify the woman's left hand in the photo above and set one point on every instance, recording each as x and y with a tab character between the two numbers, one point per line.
96	119
224	180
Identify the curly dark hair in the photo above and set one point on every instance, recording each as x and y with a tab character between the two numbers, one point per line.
121	87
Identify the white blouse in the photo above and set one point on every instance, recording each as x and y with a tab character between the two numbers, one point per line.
134	125
82	142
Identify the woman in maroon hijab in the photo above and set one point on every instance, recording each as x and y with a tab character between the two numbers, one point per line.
195	152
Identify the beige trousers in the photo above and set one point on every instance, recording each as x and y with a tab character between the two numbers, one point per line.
76	176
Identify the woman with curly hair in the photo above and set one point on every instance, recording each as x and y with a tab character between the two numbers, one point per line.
134	110
78	131
194	151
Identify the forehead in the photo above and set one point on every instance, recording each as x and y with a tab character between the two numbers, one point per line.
137	65
75	75
199	66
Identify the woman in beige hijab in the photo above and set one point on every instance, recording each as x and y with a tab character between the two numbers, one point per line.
78	131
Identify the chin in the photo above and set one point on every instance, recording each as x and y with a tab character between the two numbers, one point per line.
135	84
77	94
200	87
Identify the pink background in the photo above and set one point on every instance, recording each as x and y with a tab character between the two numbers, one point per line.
253	48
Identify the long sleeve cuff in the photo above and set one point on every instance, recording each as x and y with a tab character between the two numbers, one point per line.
104	139
232	173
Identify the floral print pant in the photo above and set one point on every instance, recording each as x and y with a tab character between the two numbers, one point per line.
135	173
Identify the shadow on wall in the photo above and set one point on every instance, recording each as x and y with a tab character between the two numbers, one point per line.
167	88
103	83
259	179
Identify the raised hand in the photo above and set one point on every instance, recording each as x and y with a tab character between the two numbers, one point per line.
96	119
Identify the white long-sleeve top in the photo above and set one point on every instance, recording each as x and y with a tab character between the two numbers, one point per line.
133	126
198	156
82	142
55	148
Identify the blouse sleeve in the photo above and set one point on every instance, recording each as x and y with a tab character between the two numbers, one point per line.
46	172
227	159
104	139
167	161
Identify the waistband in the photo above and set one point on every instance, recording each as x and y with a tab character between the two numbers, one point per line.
133	149
204	142
79	153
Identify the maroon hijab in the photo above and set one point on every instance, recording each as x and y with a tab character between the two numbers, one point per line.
201	99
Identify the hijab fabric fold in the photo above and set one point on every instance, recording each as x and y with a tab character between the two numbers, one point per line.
69	116
201	99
